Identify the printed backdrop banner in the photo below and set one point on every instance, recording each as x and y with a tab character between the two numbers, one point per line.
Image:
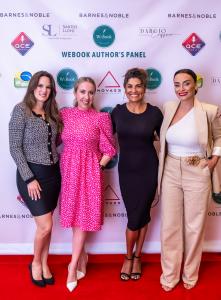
102	39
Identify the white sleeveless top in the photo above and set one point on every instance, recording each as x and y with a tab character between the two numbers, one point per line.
182	137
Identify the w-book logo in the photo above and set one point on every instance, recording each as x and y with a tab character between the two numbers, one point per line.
154	79
109	84
66	78
104	36
193	44
22	43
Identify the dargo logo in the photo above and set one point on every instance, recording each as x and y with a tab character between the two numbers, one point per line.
154	79
66	78
104	36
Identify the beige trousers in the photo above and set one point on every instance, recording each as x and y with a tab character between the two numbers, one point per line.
186	190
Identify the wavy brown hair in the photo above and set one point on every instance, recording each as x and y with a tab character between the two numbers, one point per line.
50	106
136	73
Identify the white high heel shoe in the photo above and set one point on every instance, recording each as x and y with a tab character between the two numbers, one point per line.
72	284
81	274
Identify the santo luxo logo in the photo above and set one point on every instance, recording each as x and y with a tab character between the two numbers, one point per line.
109	84
104	36
193	44
22	43
154	79
66	78
64	31
21	79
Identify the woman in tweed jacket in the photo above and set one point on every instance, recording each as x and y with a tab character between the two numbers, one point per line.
33	130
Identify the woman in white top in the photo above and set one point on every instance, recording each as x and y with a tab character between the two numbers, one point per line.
190	149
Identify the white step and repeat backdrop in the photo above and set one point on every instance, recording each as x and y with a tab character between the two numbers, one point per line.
102	39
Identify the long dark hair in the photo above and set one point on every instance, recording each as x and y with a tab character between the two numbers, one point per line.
50	106
187	71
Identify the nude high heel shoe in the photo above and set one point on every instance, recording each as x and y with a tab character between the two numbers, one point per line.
81	274
72	284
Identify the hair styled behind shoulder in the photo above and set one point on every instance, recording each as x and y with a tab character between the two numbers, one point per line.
84	79
136	73
50	106
187	71
81	80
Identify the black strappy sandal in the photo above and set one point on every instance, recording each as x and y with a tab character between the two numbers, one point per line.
135	275
125	276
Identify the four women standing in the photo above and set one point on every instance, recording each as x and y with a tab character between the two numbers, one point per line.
190	149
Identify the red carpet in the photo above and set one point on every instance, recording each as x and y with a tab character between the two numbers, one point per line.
102	281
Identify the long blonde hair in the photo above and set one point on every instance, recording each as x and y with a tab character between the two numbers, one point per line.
81	80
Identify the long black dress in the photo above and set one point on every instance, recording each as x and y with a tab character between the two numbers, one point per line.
138	162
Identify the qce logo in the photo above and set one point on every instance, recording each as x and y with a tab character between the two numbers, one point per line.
193	44
22	43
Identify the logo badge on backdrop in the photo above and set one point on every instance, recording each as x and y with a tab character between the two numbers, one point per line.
104	36
22	43
110	196
155	32
22	79
64	31
109	84
199	81
66	78
154	79
193	44
216	81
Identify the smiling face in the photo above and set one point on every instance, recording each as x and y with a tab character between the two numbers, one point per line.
134	90
43	90
85	95
185	86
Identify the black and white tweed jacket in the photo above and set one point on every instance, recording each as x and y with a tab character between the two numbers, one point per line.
30	140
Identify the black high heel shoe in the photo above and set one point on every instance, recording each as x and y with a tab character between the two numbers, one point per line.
136	275
126	276
39	282
49	281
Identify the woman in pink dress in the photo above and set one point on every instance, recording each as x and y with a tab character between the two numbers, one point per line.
88	146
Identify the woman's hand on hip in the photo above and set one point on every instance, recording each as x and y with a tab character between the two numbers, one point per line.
34	190
211	163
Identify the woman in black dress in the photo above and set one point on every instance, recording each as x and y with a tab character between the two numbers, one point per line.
33	130
135	123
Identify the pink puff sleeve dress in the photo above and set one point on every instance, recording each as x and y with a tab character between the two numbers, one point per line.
86	137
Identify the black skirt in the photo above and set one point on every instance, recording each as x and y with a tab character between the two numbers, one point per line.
49	179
